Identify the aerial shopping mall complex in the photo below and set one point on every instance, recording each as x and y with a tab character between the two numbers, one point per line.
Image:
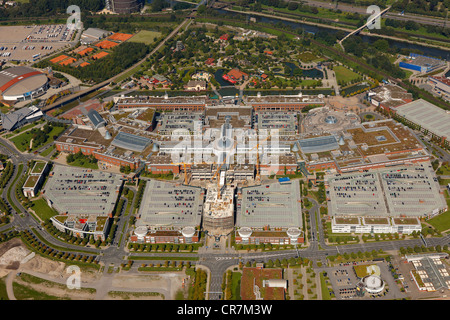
224	159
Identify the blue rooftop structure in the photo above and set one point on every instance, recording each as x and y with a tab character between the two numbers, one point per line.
130	142
96	119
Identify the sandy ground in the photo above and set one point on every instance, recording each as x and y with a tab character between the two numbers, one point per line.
132	285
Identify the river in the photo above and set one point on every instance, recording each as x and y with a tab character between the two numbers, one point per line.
428	51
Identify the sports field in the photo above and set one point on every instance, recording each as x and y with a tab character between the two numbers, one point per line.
145	36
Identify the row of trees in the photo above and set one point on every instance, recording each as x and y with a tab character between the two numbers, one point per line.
31	240
160	247
81	158
6	174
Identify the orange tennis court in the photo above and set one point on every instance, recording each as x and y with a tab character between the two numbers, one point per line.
100	55
85	51
59	58
67	61
120	36
106	44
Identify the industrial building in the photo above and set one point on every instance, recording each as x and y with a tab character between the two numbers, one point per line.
386	200
92	35
423	64
22	83
269	213
169	213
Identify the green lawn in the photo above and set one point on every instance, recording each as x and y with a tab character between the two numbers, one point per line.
324	288
442	221
47	151
307	57
42	209
22	141
344	74
236	285
84	164
145	36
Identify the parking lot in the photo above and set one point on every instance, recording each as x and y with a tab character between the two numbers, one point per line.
343	280
30	43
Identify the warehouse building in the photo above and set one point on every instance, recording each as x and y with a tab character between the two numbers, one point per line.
424	64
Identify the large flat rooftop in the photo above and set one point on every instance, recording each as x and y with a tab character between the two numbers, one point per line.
402	191
167	204
274	205
427	115
82	191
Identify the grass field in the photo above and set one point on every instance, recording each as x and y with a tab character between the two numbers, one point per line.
308	57
83	164
42	209
47	151
236	285
324	288
344	74
22	141
145	36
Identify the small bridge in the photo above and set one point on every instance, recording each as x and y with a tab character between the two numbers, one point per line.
369	22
